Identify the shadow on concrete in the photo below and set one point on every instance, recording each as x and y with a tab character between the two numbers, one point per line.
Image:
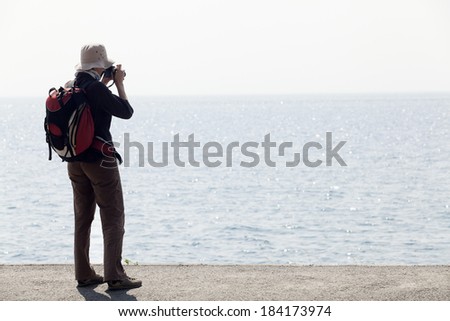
90	294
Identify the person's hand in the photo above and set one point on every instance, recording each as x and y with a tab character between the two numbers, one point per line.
119	75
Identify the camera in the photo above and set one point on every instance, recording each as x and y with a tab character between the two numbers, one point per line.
110	72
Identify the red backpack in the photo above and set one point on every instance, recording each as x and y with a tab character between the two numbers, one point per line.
68	124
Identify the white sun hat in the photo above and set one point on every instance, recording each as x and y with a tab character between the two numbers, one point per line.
93	56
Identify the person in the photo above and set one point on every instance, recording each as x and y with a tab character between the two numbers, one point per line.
95	178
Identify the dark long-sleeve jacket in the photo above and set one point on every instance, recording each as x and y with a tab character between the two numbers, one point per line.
104	105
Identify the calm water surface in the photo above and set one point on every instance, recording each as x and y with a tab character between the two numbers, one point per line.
389	205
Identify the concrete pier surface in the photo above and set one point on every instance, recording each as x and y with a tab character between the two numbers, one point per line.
234	283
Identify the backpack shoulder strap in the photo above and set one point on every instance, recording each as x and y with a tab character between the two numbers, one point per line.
85	84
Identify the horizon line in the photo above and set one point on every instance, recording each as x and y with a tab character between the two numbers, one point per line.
305	94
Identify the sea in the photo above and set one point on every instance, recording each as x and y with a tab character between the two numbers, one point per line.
307	179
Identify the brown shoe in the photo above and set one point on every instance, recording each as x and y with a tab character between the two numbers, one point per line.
125	284
97	279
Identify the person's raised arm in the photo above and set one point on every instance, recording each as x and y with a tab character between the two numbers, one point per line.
119	77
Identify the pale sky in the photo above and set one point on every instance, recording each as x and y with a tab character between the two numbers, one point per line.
207	47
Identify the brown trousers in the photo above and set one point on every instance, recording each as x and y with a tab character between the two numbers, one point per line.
94	184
